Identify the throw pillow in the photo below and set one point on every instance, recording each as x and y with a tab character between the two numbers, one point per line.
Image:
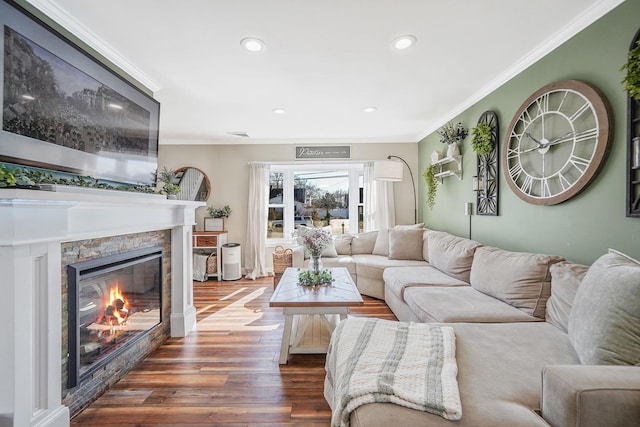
382	242
405	244
604	324
451	254
342	243
363	243
523	280
565	280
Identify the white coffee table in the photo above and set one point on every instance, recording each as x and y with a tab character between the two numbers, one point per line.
311	314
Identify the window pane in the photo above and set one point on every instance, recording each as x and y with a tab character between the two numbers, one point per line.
324	197
276	188
275	223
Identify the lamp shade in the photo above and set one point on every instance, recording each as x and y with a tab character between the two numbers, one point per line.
387	170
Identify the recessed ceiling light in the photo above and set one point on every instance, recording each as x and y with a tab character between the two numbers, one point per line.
279	111
370	109
404	42
252	44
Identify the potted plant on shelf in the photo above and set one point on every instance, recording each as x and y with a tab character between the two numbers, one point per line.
451	134
170	180
481	142
217	220
632	79
432	184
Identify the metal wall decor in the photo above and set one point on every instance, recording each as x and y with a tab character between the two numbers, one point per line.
633	150
487	171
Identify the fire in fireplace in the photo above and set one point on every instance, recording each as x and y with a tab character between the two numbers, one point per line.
113	302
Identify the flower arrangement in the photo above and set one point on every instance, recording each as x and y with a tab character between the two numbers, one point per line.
314	240
450	133
314	279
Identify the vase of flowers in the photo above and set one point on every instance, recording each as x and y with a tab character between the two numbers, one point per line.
314	241
451	134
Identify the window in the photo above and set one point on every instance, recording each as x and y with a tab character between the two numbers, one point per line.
314	195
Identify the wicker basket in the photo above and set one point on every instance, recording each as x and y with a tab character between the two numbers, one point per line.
282	258
212	264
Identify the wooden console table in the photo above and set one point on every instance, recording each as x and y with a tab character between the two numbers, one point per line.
210	242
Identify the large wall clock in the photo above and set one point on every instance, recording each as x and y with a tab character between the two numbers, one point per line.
556	142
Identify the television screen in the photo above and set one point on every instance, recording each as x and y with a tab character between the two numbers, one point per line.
64	111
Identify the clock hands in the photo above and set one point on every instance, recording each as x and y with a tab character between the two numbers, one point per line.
541	145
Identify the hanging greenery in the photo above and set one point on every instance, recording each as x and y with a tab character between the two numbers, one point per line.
481	142
632	80
432	184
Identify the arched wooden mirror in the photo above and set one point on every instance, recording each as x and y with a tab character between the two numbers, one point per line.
194	184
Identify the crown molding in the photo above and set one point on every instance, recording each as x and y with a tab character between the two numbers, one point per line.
580	22
75	27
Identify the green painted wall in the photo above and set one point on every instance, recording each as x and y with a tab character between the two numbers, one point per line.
582	228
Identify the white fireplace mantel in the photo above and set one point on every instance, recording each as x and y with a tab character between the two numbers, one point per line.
33	225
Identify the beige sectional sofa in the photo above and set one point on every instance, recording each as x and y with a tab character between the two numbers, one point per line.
535	334
368	255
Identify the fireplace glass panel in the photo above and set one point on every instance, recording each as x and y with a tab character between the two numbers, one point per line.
114	304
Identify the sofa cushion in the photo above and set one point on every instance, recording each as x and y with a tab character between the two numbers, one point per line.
499	378
363	243
451	254
398	279
460	304
604	324
342	243
565	279
372	266
405	244
517	278
425	244
382	241
340	261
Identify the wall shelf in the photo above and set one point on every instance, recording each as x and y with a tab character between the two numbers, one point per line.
457	171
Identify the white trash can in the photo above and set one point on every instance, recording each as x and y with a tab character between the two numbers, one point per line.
231	265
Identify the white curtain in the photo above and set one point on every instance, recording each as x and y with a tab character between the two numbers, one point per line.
379	204
254	259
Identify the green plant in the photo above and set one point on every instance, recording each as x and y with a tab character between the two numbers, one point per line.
169	188
432	184
7	177
481	142
220	212
168	176
632	80
450	133
310	278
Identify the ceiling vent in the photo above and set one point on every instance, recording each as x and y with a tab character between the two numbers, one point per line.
240	134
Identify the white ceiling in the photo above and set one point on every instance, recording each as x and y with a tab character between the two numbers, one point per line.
324	62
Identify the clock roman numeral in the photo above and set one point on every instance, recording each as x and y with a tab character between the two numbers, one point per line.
526	118
546	190
564	182
543	104
515	171
527	184
579	163
512	153
586	135
585	107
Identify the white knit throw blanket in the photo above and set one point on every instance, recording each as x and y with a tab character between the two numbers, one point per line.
409	364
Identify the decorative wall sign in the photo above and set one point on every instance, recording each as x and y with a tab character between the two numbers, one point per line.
324	152
65	111
487	169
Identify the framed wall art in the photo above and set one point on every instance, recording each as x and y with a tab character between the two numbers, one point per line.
63	110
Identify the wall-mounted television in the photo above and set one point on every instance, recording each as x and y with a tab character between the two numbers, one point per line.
63	110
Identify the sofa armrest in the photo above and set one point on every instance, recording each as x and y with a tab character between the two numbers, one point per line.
591	396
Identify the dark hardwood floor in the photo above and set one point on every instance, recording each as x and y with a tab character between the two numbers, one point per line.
226	372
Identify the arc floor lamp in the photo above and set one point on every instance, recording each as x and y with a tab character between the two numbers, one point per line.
391	170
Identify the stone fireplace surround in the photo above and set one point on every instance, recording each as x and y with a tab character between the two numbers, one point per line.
34	226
